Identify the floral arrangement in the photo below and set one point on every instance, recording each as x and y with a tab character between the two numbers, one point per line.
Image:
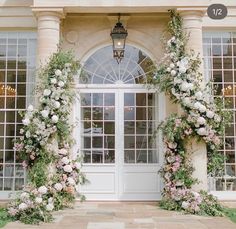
203	118
53	173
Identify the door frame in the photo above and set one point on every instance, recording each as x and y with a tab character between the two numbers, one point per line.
117	89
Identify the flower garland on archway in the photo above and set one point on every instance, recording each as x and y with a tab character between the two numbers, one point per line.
45	145
203	120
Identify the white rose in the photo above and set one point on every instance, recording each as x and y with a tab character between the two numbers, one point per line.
23	206
42	190
24	195
168	69
58	72
210	114
57	104
27	134
54	119
201	121
172	65
50	200
198	95
49	207
26	121
217	118
30	108
78	165
177	80
202	131
197	105
185	204
173	72
202	109
187	101
38	200
71	181
184	86
172	145
44	113
61	83
190	86
58	186
53	80
46	92
67	168
65	160
182	69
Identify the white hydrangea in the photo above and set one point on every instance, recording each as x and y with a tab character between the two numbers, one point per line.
30	108
55	118
184	86
57	104
58	186
42	190
61	83
24	195
182	69
202	109
44	113
202	131
199	95
187	101
185	204
197	105
201	121
26	121
53	80
71	181
49	207
173	72
168	69
65	160
217	118
27	134
67	168
23	206
172	65
58	72
38	200
210	114
46	92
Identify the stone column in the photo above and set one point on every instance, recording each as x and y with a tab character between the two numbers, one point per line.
48	33
192	23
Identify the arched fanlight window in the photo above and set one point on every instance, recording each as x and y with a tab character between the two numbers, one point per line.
102	68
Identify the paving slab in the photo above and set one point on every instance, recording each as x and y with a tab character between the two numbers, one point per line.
126	215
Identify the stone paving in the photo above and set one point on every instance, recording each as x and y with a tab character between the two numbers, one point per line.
126	215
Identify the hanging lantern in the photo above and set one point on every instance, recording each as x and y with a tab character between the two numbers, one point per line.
118	35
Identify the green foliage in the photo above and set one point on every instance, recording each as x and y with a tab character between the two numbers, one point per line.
210	205
231	213
4	217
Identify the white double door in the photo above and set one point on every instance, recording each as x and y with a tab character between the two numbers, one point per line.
121	156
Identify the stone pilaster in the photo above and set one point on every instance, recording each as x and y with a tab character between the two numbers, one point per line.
48	32
192	23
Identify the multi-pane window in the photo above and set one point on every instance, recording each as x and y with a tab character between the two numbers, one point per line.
17	69
98	127
139	128
220	67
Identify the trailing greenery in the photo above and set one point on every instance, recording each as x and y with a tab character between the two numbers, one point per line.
202	119
4	217
45	145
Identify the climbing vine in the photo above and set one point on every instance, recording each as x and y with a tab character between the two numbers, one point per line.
45	145
203	119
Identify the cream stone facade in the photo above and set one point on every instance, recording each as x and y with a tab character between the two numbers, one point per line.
84	26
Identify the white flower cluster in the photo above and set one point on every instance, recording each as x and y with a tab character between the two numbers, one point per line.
188	90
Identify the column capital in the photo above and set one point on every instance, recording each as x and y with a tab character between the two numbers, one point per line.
42	11
191	13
